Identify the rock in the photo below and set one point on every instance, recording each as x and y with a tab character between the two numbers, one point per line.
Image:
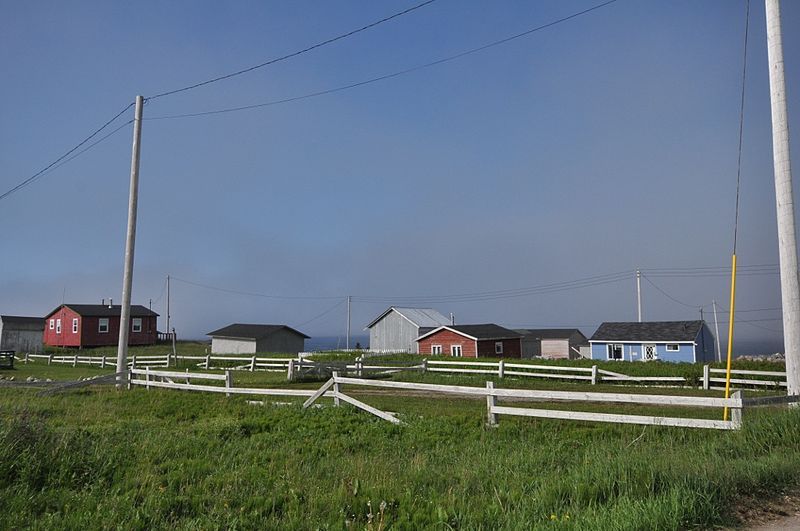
11	378
48	380
30	379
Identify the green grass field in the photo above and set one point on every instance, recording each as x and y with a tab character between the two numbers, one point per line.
158	459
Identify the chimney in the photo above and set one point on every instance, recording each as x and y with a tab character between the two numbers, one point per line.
110	302
102	302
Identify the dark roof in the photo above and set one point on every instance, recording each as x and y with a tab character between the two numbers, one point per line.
550	333
251	331
479	331
104	310
653	331
17	319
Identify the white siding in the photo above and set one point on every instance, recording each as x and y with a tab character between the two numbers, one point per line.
555	349
393	332
221	345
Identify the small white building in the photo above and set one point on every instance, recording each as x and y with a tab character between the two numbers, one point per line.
251	338
397	329
21	334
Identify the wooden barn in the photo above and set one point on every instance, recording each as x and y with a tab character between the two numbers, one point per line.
472	341
552	343
21	334
251	338
397	329
97	325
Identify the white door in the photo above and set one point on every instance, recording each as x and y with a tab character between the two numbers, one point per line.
650	353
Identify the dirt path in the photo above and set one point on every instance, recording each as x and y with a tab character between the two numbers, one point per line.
778	514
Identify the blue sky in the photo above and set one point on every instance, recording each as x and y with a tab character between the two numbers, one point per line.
595	146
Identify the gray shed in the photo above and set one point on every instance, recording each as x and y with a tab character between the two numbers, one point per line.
21	334
397	329
251	338
552	343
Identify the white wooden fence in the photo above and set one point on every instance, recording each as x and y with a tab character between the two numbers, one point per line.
100	361
736	403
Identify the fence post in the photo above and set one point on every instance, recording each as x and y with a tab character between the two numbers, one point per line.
290	371
491	401
228	381
133	361
736	413
26	357
335	389
706	377
253	364
103	361
208	361
75	360
501	368
359	367
594	374
424	365
129	374
147	377
187	376
49	359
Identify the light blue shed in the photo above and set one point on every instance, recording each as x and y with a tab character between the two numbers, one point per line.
679	341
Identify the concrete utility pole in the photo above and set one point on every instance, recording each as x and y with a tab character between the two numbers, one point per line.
130	242
639	294
787	241
167	330
347	347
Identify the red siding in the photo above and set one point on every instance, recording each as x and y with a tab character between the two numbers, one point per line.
446	339
89	334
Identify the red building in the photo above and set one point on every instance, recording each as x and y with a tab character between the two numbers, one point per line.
97	325
471	341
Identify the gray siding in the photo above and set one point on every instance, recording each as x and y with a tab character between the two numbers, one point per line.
393	332
530	347
281	341
21	337
225	345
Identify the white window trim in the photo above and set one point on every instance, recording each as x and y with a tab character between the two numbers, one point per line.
496	345
134	322
453	351
74	325
609	348
644	352
100	325
52	324
58	326
436	349
676	349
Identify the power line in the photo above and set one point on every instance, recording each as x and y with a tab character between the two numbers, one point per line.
293	54
251	293
385	76
53	164
670	297
323	314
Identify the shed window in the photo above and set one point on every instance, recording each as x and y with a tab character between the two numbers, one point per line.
614	352
436	349
75	325
673	348
102	326
498	347
58	326
136	324
52	324
455	351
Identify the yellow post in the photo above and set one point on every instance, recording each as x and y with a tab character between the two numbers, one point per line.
730	333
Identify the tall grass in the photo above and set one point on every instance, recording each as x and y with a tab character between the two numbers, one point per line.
158	460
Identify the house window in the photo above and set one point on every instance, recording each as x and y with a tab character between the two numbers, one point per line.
58	326
52	324
673	348
436	349
455	351
614	352
498	347
136	324
102	326
75	326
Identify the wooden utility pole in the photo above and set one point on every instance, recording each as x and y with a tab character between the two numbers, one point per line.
167	329
130	242
348	324
716	331
639	294
787	241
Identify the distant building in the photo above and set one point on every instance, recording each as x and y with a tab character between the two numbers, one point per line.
397	328
471	341
552	343
251	338
686	341
97	325
21	334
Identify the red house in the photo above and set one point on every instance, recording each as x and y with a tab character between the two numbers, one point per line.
471	341
97	325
